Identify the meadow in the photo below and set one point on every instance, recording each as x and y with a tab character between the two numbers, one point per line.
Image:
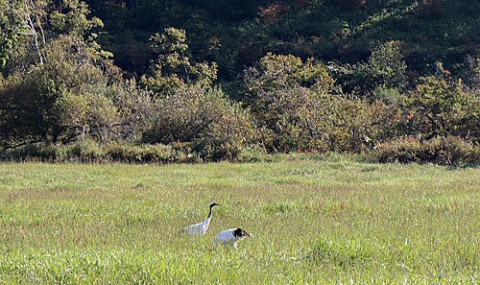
326	221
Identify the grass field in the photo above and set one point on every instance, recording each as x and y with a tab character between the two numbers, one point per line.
314	222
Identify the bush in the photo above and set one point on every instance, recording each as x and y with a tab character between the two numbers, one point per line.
30	152
440	150
216	127
285	95
441	107
136	109
355	125
140	154
91	152
86	151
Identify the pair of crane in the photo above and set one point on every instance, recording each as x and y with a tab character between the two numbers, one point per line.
228	237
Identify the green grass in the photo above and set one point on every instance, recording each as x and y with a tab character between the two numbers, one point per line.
314	222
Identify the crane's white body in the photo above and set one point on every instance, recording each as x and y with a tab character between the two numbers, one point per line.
200	228
230	237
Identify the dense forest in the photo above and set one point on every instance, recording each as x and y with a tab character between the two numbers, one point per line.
187	81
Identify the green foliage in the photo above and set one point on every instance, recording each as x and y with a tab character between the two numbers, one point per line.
296	103
250	29
71	109
387	66
89	151
86	151
59	100
218	128
356	125
17	119
29	26
70	17
173	69
440	107
58	87
385	69
22	34
148	154
444	151
285	96
57	79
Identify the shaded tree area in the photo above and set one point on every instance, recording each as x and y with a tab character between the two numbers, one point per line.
142	80
236	34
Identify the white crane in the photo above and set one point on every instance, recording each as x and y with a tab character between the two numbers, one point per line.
231	237
200	228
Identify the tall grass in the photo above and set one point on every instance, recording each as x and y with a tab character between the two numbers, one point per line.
317	222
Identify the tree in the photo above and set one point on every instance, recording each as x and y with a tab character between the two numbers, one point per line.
351	4
27	27
432	8
384	72
285	95
22	33
172	69
57	86
59	100
439	106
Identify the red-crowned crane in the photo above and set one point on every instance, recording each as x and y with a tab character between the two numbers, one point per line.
200	228
231	237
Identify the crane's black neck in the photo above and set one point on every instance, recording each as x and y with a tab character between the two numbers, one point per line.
210	213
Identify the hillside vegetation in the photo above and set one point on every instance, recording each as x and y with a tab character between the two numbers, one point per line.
159	81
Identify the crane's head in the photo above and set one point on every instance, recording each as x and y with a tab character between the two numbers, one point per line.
214	204
240	233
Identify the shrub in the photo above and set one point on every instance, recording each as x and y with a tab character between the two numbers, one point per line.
216	127
285	95
140	154
91	152
355	125
86	151
441	107
440	150
38	152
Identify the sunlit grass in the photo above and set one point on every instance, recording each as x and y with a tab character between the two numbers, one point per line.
325	222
